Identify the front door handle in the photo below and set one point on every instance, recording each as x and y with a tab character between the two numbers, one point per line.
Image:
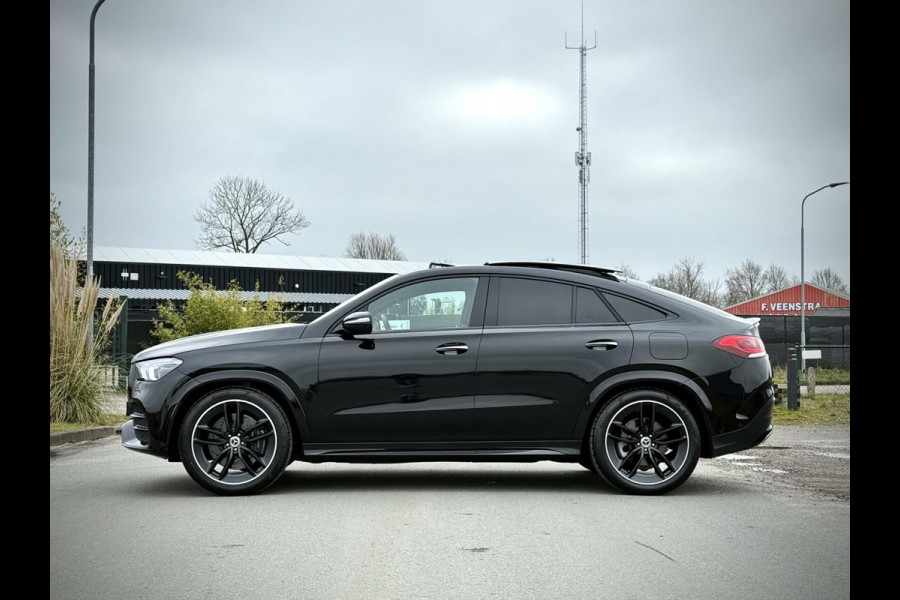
451	349
602	345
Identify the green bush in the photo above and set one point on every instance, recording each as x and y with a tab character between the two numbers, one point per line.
77	359
208	309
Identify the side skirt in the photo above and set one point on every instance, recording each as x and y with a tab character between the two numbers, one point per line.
554	450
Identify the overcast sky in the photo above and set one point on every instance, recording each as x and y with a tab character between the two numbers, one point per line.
451	125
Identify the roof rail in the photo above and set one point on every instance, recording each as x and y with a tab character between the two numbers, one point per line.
433	265
543	264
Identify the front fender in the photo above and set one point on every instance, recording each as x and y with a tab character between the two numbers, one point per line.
287	397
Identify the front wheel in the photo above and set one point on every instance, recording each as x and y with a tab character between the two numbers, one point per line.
645	441
235	441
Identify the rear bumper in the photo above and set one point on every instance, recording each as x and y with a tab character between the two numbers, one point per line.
752	434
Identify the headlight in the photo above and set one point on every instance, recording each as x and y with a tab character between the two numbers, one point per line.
155	369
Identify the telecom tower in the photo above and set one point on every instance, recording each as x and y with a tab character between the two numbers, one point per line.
582	156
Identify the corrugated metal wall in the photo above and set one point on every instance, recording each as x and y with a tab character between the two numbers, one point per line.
164	277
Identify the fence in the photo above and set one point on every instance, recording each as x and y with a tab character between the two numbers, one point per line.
827	375
116	374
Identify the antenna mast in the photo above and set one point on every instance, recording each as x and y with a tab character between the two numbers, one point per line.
582	156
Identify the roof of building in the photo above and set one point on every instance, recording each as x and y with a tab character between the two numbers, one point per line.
184	294
256	261
837	293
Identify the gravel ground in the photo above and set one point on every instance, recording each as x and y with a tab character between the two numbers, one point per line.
803	459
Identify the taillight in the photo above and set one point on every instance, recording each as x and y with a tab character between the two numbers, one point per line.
745	346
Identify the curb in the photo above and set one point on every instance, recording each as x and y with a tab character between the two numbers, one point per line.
84	435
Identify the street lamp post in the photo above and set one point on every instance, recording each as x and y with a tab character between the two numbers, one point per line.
89	262
802	278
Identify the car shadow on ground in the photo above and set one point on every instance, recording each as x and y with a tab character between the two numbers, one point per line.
306	479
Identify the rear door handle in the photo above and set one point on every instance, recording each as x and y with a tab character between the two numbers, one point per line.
451	349
602	345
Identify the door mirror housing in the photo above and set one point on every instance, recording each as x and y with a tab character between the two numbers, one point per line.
354	324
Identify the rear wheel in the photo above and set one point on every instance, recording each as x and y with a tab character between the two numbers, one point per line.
235	441
645	441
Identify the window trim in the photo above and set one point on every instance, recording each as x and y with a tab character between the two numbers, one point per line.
603	300
476	320
492	312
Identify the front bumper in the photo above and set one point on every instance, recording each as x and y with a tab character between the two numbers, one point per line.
131	440
150	407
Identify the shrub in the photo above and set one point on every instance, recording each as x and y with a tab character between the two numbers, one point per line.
77	358
208	309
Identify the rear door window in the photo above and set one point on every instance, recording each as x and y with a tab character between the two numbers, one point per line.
525	302
589	308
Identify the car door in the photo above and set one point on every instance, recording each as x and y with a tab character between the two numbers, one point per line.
413	378
545	347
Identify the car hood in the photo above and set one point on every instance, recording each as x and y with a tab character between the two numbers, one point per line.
265	333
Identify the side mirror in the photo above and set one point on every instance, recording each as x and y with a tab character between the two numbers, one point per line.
358	323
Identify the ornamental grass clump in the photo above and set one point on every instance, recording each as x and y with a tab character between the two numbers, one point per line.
78	360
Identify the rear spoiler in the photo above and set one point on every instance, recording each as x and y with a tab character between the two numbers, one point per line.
754	324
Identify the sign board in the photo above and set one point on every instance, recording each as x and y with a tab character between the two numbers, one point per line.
811	354
399	324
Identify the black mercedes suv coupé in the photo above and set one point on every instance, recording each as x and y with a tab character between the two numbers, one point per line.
513	361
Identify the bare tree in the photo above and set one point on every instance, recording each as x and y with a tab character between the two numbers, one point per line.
686	278
372	245
829	279
744	282
242	214
776	278
628	271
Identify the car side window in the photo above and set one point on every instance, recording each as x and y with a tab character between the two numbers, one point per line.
533	302
426	305
589	308
633	311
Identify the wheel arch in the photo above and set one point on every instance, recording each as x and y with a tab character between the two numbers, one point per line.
676	384
265	383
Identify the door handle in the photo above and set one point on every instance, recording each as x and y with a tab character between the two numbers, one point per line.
451	349
602	345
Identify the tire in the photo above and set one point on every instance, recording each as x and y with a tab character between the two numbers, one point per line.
235	441
640	458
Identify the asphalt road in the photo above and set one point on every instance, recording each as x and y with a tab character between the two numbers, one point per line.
772	524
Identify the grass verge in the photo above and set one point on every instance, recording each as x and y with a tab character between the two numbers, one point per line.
57	426
821	409
823	376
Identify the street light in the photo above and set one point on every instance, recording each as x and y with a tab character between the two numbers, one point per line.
802	278
89	263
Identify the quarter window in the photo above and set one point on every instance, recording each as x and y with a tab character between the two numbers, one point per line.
632	311
533	302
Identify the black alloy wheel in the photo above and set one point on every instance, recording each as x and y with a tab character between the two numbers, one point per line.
235	441
645	442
